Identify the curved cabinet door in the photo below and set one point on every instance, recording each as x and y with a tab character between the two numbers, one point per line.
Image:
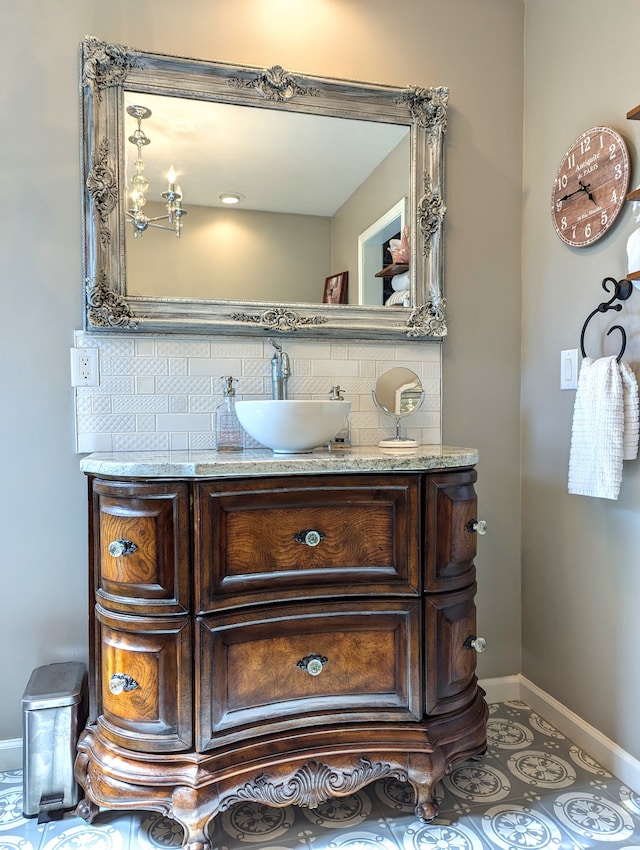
450	621
144	681
450	542
141	546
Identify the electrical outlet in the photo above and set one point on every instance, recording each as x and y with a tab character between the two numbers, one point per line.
84	367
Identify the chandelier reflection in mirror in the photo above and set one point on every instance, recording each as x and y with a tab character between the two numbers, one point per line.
140	184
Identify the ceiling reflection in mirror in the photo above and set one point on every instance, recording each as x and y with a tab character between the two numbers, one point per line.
326	171
305	183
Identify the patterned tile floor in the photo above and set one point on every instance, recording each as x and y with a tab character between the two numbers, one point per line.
533	789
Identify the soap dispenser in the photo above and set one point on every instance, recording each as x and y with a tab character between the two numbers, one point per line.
229	433
342	439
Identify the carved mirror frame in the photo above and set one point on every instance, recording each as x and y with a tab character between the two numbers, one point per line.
108	69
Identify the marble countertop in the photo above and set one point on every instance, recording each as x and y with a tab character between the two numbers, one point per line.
213	464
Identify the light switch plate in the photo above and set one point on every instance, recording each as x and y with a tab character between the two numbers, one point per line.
569	369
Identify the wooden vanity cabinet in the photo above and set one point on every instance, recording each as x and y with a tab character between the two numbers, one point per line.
277	639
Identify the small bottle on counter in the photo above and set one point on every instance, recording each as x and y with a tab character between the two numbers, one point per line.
342	439
229	433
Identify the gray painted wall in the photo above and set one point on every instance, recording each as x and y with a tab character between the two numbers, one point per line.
475	48
581	563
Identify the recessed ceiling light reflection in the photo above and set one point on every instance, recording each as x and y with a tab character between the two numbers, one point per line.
231	198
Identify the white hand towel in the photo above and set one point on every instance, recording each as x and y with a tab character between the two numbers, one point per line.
403	297
595	457
400	281
631	415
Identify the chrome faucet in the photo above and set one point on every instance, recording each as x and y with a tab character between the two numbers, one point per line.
280	371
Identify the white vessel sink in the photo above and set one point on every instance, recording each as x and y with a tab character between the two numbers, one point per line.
292	426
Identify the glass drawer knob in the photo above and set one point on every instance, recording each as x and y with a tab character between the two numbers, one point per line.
478	526
122	547
477	643
310	537
313	664
120	682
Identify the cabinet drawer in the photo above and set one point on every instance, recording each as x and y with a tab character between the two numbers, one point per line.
450	544
450	621
141	546
253	543
257	671
144	681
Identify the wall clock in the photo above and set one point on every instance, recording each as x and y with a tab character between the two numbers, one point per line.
590	186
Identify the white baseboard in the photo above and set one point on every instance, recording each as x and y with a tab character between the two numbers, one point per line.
502	689
605	751
11	754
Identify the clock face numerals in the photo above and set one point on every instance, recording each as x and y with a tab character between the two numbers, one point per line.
590	186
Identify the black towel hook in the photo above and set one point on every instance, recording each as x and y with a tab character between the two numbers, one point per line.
622	290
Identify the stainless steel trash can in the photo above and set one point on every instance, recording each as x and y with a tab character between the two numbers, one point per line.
53	715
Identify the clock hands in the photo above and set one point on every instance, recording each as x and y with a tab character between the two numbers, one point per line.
582	188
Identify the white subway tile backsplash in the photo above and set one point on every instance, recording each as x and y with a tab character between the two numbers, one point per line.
367	369
178	403
303	367
183	348
92	442
136	366
145	386
372	436
339	352
371	352
106	424
306	348
183	422
203	403
432	387
431	403
145	422
431	370
139	403
145	347
202	441
84	405
179	442
178	366
102	404
124	385
116	347
178	384
258	367
431	436
365	419
151	442
240	349
332	368
214	367
247	385
159	393
312	387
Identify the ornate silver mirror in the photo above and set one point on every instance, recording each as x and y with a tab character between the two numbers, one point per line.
164	138
399	393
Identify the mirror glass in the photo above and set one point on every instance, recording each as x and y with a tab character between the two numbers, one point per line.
399	393
299	180
326	173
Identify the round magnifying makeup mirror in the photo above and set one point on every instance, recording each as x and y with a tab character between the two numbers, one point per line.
398	392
